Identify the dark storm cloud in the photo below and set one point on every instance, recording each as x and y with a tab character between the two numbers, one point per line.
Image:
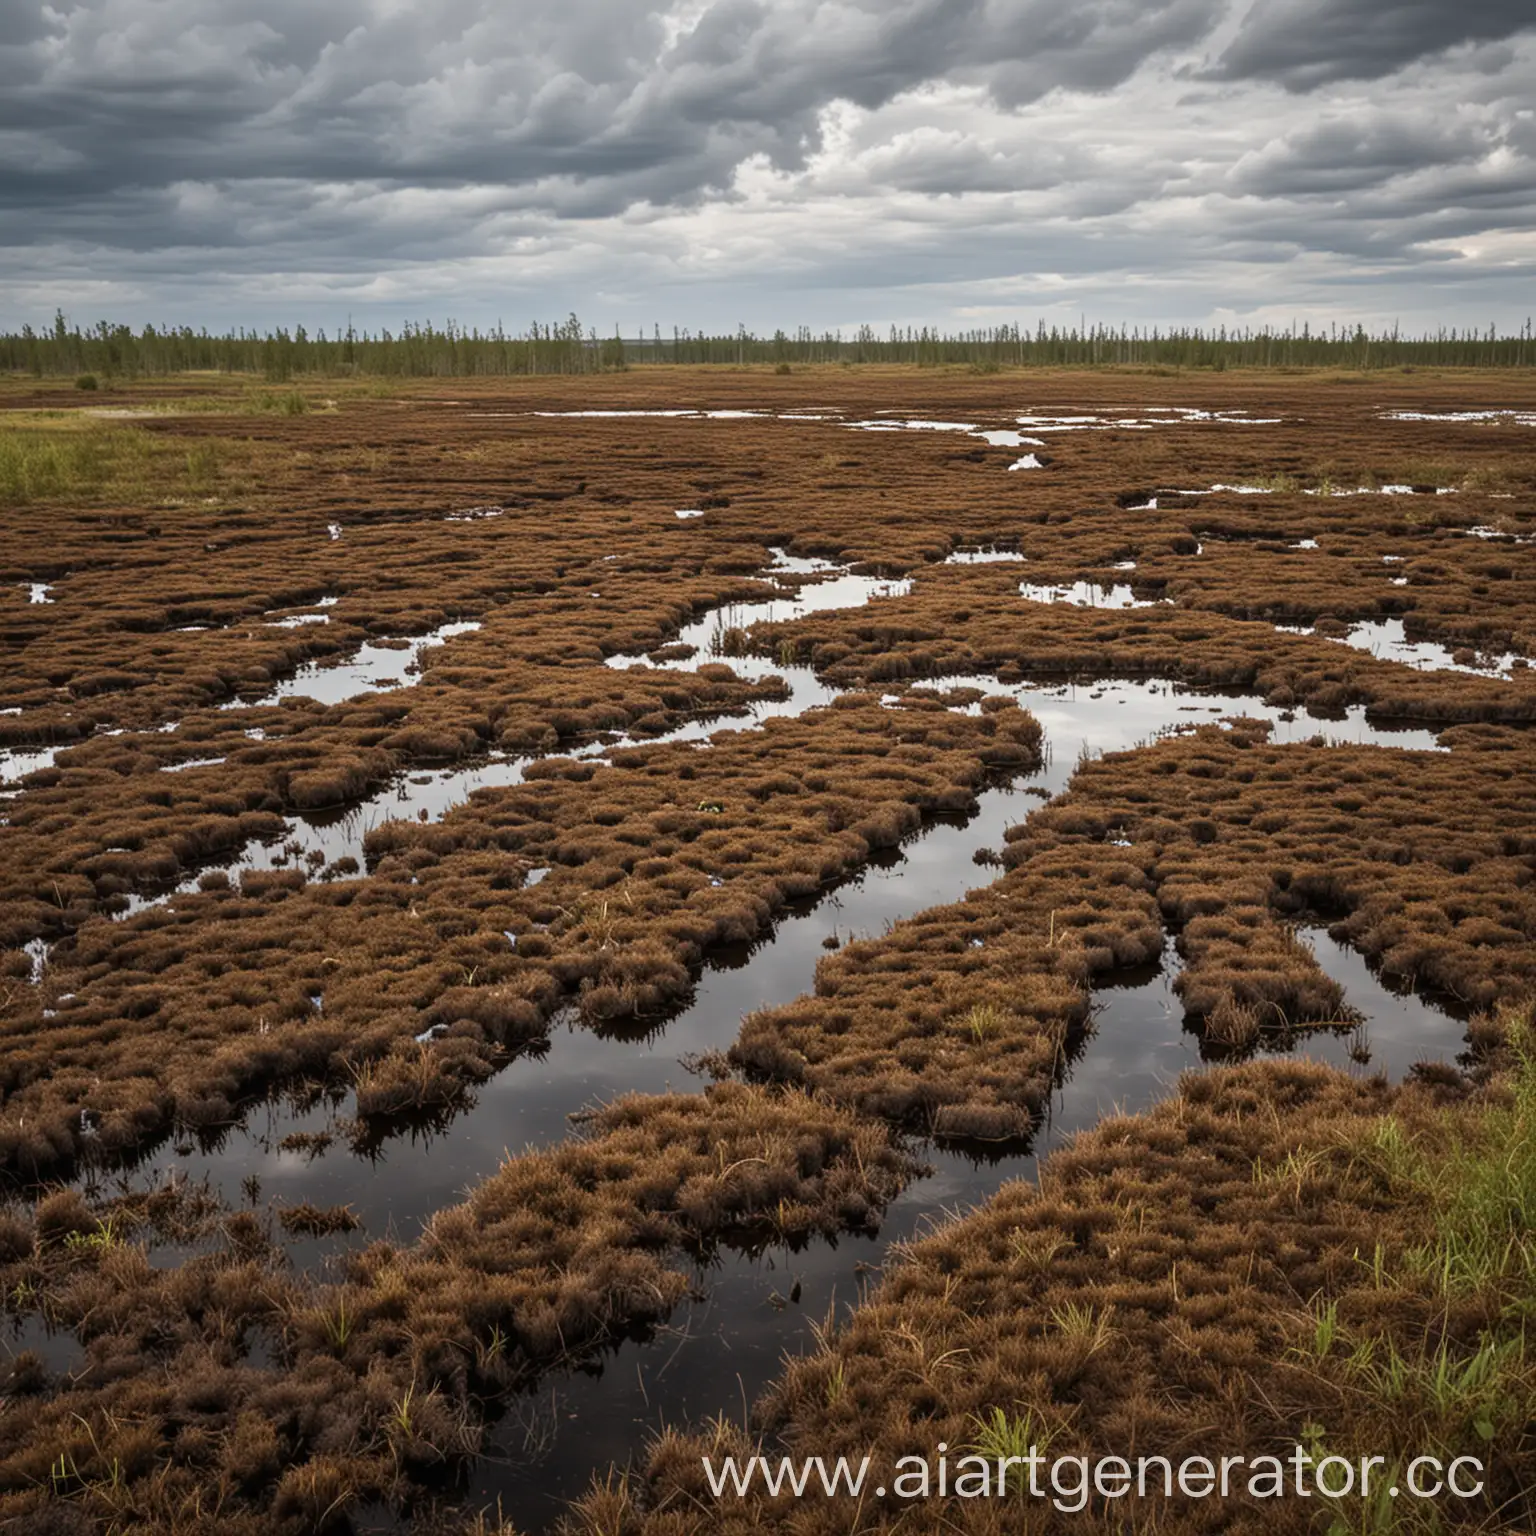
1349	153
188	152
1303	44
126	93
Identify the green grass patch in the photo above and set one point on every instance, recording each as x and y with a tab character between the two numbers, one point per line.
1479	1185
1438	1362
89	462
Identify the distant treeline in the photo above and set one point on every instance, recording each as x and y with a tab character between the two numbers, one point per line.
427	351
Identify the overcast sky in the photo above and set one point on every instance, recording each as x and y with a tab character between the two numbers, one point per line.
768	162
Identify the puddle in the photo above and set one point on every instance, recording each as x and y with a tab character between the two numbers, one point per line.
1485	532
1140	1044
38	591
1075	423
1384	490
890	420
60	1351
1157	416
686	512
1503	414
720	634
1088	594
371	669
1235	490
17	762
301	614
1400	1027
1324	490
981	554
799	565
1387	639
318	839
996	437
1006	438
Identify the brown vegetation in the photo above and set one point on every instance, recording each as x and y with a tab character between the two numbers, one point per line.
1235	1273
228	1388
653	860
389	1372
1422	860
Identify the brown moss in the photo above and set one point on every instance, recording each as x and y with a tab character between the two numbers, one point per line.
1161	1286
223	983
1422	860
956	1023
388	1371
953	1023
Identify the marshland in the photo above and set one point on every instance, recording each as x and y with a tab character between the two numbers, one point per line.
556	925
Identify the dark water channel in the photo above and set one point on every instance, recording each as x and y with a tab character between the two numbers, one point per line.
409	1176
720	1350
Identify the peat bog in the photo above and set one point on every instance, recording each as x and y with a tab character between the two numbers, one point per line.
552	925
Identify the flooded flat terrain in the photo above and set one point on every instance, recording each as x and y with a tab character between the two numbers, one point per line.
540	926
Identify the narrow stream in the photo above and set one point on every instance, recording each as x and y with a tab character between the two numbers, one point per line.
719	1353
314	840
411	1175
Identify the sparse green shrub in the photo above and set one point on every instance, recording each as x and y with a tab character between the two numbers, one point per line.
202	465
272	403
983	1021
1003	1438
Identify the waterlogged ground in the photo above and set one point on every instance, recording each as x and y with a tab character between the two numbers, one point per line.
372	836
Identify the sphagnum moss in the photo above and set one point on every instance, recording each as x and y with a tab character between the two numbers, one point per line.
387	1371
1277	1240
1230	842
